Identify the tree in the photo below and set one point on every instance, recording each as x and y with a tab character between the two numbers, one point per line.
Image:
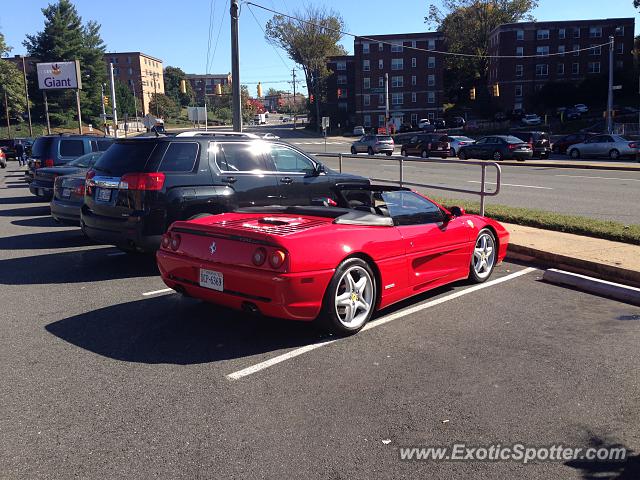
272	92
65	38
172	78
124	99
309	41
466	25
636	3
4	48
164	105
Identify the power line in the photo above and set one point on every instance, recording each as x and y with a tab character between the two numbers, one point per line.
206	70
265	34
440	52
215	47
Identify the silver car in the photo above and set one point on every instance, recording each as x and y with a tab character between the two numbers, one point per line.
457	141
612	146
373	144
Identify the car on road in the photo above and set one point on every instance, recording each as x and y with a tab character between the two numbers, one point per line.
426	145
531	119
56	150
358	131
539	142
602	146
270	136
423	123
497	147
45	177
581	107
67	200
142	185
457	122
440	123
562	144
457	141
379	245
373	145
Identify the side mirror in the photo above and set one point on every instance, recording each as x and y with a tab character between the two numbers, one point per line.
457	211
319	169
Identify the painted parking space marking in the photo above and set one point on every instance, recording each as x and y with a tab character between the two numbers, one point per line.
159	292
502	184
600	178
116	254
375	323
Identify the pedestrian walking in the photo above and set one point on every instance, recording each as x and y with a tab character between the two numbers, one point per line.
20	154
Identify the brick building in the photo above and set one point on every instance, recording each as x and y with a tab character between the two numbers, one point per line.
534	41
341	91
416	87
143	73
205	84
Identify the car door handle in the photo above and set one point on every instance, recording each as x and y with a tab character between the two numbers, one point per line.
230	179
286	180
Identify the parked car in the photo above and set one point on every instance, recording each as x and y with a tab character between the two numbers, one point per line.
358	130
270	136
457	122
571	114
373	144
562	144
56	150
497	147
45	177
426	145
612	146
142	185
531	119
402	138
539	142
457	141
440	123
68	197
581	107
406	127
3	159
423	122
257	259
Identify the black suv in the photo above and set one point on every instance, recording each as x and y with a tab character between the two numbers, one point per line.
140	186
539	142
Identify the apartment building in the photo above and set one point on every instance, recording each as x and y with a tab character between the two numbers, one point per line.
143	73
537	51
205	84
341	91
415	72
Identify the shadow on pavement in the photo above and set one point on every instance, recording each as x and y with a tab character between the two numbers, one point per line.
46	240
38	222
177	330
17	200
16	186
75	267
39	211
627	469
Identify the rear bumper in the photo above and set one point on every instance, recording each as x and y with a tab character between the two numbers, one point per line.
41	190
66	212
293	296
522	155
126	233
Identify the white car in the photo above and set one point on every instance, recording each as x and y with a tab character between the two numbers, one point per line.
270	136
423	123
531	119
581	107
359	130
457	141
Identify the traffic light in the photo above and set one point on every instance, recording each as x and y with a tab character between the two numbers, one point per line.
472	93
105	101
218	89
259	90
339	92
183	86
495	90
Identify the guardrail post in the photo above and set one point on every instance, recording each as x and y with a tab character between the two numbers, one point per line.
340	162
482	189
401	171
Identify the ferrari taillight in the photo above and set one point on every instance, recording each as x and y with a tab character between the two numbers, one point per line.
277	258
259	256
175	242
166	240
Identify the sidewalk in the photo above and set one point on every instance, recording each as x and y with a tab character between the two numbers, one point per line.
612	261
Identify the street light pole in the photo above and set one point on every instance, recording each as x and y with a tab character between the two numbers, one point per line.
386	101
26	96
113	101
236	102
610	96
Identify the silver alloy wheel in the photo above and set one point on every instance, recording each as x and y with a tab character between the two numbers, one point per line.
484	255
497	156
425	154
354	297
614	154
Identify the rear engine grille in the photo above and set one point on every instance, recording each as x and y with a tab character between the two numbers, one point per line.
280	230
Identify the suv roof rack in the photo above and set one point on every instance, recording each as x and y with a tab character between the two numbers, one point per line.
199	133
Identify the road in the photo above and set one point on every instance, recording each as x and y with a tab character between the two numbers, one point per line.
600	194
105	375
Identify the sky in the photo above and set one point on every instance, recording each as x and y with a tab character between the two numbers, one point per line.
178	32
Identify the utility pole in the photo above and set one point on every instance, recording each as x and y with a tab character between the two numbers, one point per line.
236	103
155	93
104	112
46	111
293	72
79	113
113	101
26	96
6	110
610	96
135	104
386	101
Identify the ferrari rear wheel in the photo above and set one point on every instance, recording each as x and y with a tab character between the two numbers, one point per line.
484	256
350	298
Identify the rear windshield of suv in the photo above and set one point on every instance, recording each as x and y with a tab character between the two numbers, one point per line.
125	157
41	147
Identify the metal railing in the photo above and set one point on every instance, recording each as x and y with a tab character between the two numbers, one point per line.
482	193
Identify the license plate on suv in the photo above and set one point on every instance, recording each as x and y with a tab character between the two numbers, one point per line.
66	192
212	280
103	194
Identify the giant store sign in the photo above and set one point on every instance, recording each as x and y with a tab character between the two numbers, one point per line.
59	75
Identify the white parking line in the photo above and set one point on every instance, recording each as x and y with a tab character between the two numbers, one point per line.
599	178
158	292
116	254
511	185
376	323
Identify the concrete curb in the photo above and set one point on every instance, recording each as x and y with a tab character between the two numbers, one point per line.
607	289
574	265
579	166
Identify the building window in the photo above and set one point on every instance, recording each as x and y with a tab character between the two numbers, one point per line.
561	33
595	50
397	98
414	119
367	121
519	51
542	70
396	47
413	80
431	115
397	81
343	106
519	34
344	93
381	99
397	64
342	80
381	120
366	66
620	31
365	47
431	44
519	70
381	81
431	62
560	69
431	80
576	32
129	60
620	47
413	97
561	50
575	69
366	100
542	34
431	97
576	49
595	32
593	67
380	64
380	47
542	51
341	65
366	82
413	43
413	62
518	91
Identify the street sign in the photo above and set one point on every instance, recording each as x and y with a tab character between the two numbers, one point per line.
325	123
377	90
196	114
617	87
149	121
59	75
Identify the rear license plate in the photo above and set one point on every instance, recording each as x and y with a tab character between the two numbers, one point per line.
103	195
212	280
41	192
66	192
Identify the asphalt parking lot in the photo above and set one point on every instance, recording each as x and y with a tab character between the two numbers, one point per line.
105	375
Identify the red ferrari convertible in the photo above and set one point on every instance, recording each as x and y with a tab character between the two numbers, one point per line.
338	262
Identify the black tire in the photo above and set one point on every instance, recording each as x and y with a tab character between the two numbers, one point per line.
574	153
370	151
614	154
389	154
475	276
329	317
3	165
452	152
403	152
497	156
462	155
354	151
424	154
